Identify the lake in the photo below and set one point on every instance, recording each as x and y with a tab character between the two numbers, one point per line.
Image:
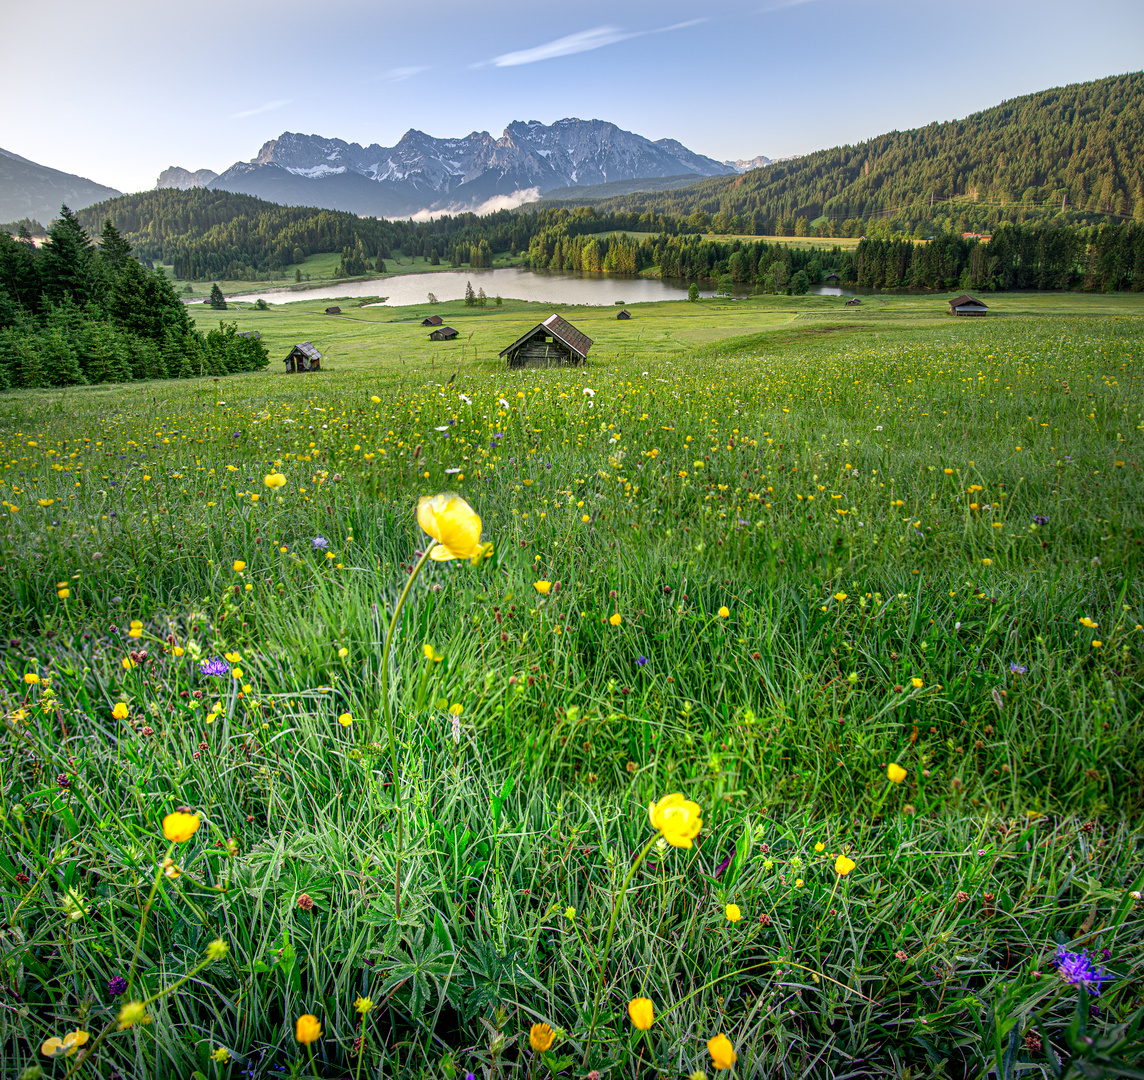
559	289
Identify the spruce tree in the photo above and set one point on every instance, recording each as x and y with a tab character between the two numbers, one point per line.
66	261
113	249
218	302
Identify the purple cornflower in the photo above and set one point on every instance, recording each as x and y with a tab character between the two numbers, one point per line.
641	660
1040	519
320	543
214	666
1077	969
116	985
1018	669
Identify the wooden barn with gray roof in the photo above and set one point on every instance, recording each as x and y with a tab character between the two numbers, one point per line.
303	357
552	342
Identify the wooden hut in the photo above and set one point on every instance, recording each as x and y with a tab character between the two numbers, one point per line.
303	357
256	334
443	333
552	342
333	311
831	279
853	302
432	320
967	305
625	314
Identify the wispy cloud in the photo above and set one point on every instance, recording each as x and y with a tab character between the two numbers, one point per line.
268	106
584	41
398	74
780	5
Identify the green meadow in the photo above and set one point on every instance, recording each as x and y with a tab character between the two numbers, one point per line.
863	585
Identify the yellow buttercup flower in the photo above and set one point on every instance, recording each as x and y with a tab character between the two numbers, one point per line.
432	654
820	847
134	1012
917	683
31	678
120	710
375	399
178	650
63	593
454	524
642	1012
895	772
274	480
1086	621
221	1055
724	613
732	912
343	652
307	1030
678	819
363	1005
542	587
65	1047
179	826
843	865
722	1053
615	619
541	1037
345	719
239	566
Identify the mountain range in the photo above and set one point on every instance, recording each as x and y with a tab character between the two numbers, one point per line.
28	190
184	179
423	173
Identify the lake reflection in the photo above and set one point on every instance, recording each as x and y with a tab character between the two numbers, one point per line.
559	289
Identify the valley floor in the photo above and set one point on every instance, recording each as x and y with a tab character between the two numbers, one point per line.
864	585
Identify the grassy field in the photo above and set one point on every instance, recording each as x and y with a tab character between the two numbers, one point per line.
864	584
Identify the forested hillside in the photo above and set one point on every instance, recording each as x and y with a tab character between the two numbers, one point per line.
209	234
1076	148
72	312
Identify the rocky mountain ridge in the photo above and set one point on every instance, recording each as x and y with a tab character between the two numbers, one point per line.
425	173
184	179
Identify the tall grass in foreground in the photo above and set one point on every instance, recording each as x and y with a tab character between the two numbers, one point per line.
765	579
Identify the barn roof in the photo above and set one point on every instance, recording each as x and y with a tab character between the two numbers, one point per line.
432	320
965	300
562	330
306	349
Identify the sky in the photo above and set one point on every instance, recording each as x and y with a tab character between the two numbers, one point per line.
117	90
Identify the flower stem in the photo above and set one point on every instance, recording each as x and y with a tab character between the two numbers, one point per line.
603	967
143	920
387	712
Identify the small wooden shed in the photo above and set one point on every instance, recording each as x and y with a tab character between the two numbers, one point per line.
967	305
256	334
432	320
831	278
333	311
625	314
853	302
303	357
554	341
443	333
